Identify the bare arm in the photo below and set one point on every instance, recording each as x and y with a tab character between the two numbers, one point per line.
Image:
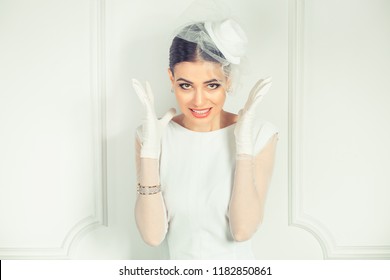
251	180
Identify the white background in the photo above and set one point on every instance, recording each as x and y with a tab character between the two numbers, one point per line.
68	115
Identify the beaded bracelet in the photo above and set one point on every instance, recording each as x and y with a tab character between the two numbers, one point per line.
148	190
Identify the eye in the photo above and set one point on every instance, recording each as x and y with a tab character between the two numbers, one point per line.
185	86
213	86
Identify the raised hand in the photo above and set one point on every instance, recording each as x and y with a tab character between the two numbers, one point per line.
152	127
246	117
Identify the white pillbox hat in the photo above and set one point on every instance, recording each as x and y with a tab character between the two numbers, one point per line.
229	38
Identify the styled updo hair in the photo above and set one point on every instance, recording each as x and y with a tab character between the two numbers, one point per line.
185	51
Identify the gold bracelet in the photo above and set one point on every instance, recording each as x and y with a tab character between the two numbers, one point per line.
148	190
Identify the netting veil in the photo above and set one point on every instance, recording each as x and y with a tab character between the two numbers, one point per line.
224	41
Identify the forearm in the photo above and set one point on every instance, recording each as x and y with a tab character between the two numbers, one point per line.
150	211
251	181
246	205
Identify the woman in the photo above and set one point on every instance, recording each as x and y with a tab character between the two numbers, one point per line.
203	174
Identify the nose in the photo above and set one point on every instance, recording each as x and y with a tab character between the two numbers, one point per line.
199	98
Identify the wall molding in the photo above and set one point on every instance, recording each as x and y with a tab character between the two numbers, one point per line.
297	215
99	158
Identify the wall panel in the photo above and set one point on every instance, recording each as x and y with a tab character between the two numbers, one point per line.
339	97
52	170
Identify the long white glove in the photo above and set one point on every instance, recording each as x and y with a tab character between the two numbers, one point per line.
246	118
152	128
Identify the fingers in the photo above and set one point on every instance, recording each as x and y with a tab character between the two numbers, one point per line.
149	93
147	99
139	90
261	86
261	91
257	93
144	96
168	116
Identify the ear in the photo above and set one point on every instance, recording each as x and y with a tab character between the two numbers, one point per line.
171	76
228	84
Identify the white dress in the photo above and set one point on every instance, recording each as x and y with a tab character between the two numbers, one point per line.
196	173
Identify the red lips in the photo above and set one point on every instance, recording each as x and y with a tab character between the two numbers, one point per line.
200	113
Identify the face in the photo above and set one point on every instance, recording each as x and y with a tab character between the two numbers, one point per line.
200	90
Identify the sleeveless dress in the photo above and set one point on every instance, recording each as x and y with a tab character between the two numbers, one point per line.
197	175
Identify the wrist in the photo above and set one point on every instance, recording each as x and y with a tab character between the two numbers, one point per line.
150	172
244	148
244	157
149	152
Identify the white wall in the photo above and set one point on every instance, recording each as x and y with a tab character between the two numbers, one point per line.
341	182
50	178
68	114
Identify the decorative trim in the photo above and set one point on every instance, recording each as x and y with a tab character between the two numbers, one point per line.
297	216
101	136
99	159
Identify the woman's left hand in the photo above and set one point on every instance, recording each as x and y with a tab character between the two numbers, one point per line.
246	117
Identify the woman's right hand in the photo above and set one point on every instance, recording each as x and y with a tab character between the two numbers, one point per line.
152	127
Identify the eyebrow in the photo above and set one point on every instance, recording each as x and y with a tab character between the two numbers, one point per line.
206	82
